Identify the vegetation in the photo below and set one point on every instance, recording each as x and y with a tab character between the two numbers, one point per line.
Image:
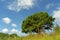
37	22
57	29
54	36
9	37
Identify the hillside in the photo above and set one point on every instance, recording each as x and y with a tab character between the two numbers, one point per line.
54	36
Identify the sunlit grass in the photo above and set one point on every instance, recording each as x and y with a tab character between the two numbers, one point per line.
53	36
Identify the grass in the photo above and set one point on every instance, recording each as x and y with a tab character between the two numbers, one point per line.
42	37
54	36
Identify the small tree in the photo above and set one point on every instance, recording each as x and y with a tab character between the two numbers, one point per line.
37	22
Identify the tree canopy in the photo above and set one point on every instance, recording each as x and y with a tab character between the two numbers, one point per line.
37	22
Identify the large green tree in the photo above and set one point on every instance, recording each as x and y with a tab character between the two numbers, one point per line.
37	22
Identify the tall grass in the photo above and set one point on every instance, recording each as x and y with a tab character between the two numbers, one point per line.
53	36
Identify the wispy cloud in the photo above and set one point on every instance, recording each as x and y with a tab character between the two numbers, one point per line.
14	31
6	20
17	5
2	0
14	25
56	15
48	6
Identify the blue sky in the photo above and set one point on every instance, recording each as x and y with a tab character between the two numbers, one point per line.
13	12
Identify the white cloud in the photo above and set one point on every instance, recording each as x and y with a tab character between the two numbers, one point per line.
6	20
5	30
49	5
22	34
14	31
17	5
14	25
56	15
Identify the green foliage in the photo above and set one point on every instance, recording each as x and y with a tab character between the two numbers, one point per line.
57	29
36	22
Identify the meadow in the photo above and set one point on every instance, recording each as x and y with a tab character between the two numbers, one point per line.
42	37
54	36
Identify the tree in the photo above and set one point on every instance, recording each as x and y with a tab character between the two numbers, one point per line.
37	22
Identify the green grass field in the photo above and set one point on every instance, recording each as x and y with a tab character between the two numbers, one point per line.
54	36
42	37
